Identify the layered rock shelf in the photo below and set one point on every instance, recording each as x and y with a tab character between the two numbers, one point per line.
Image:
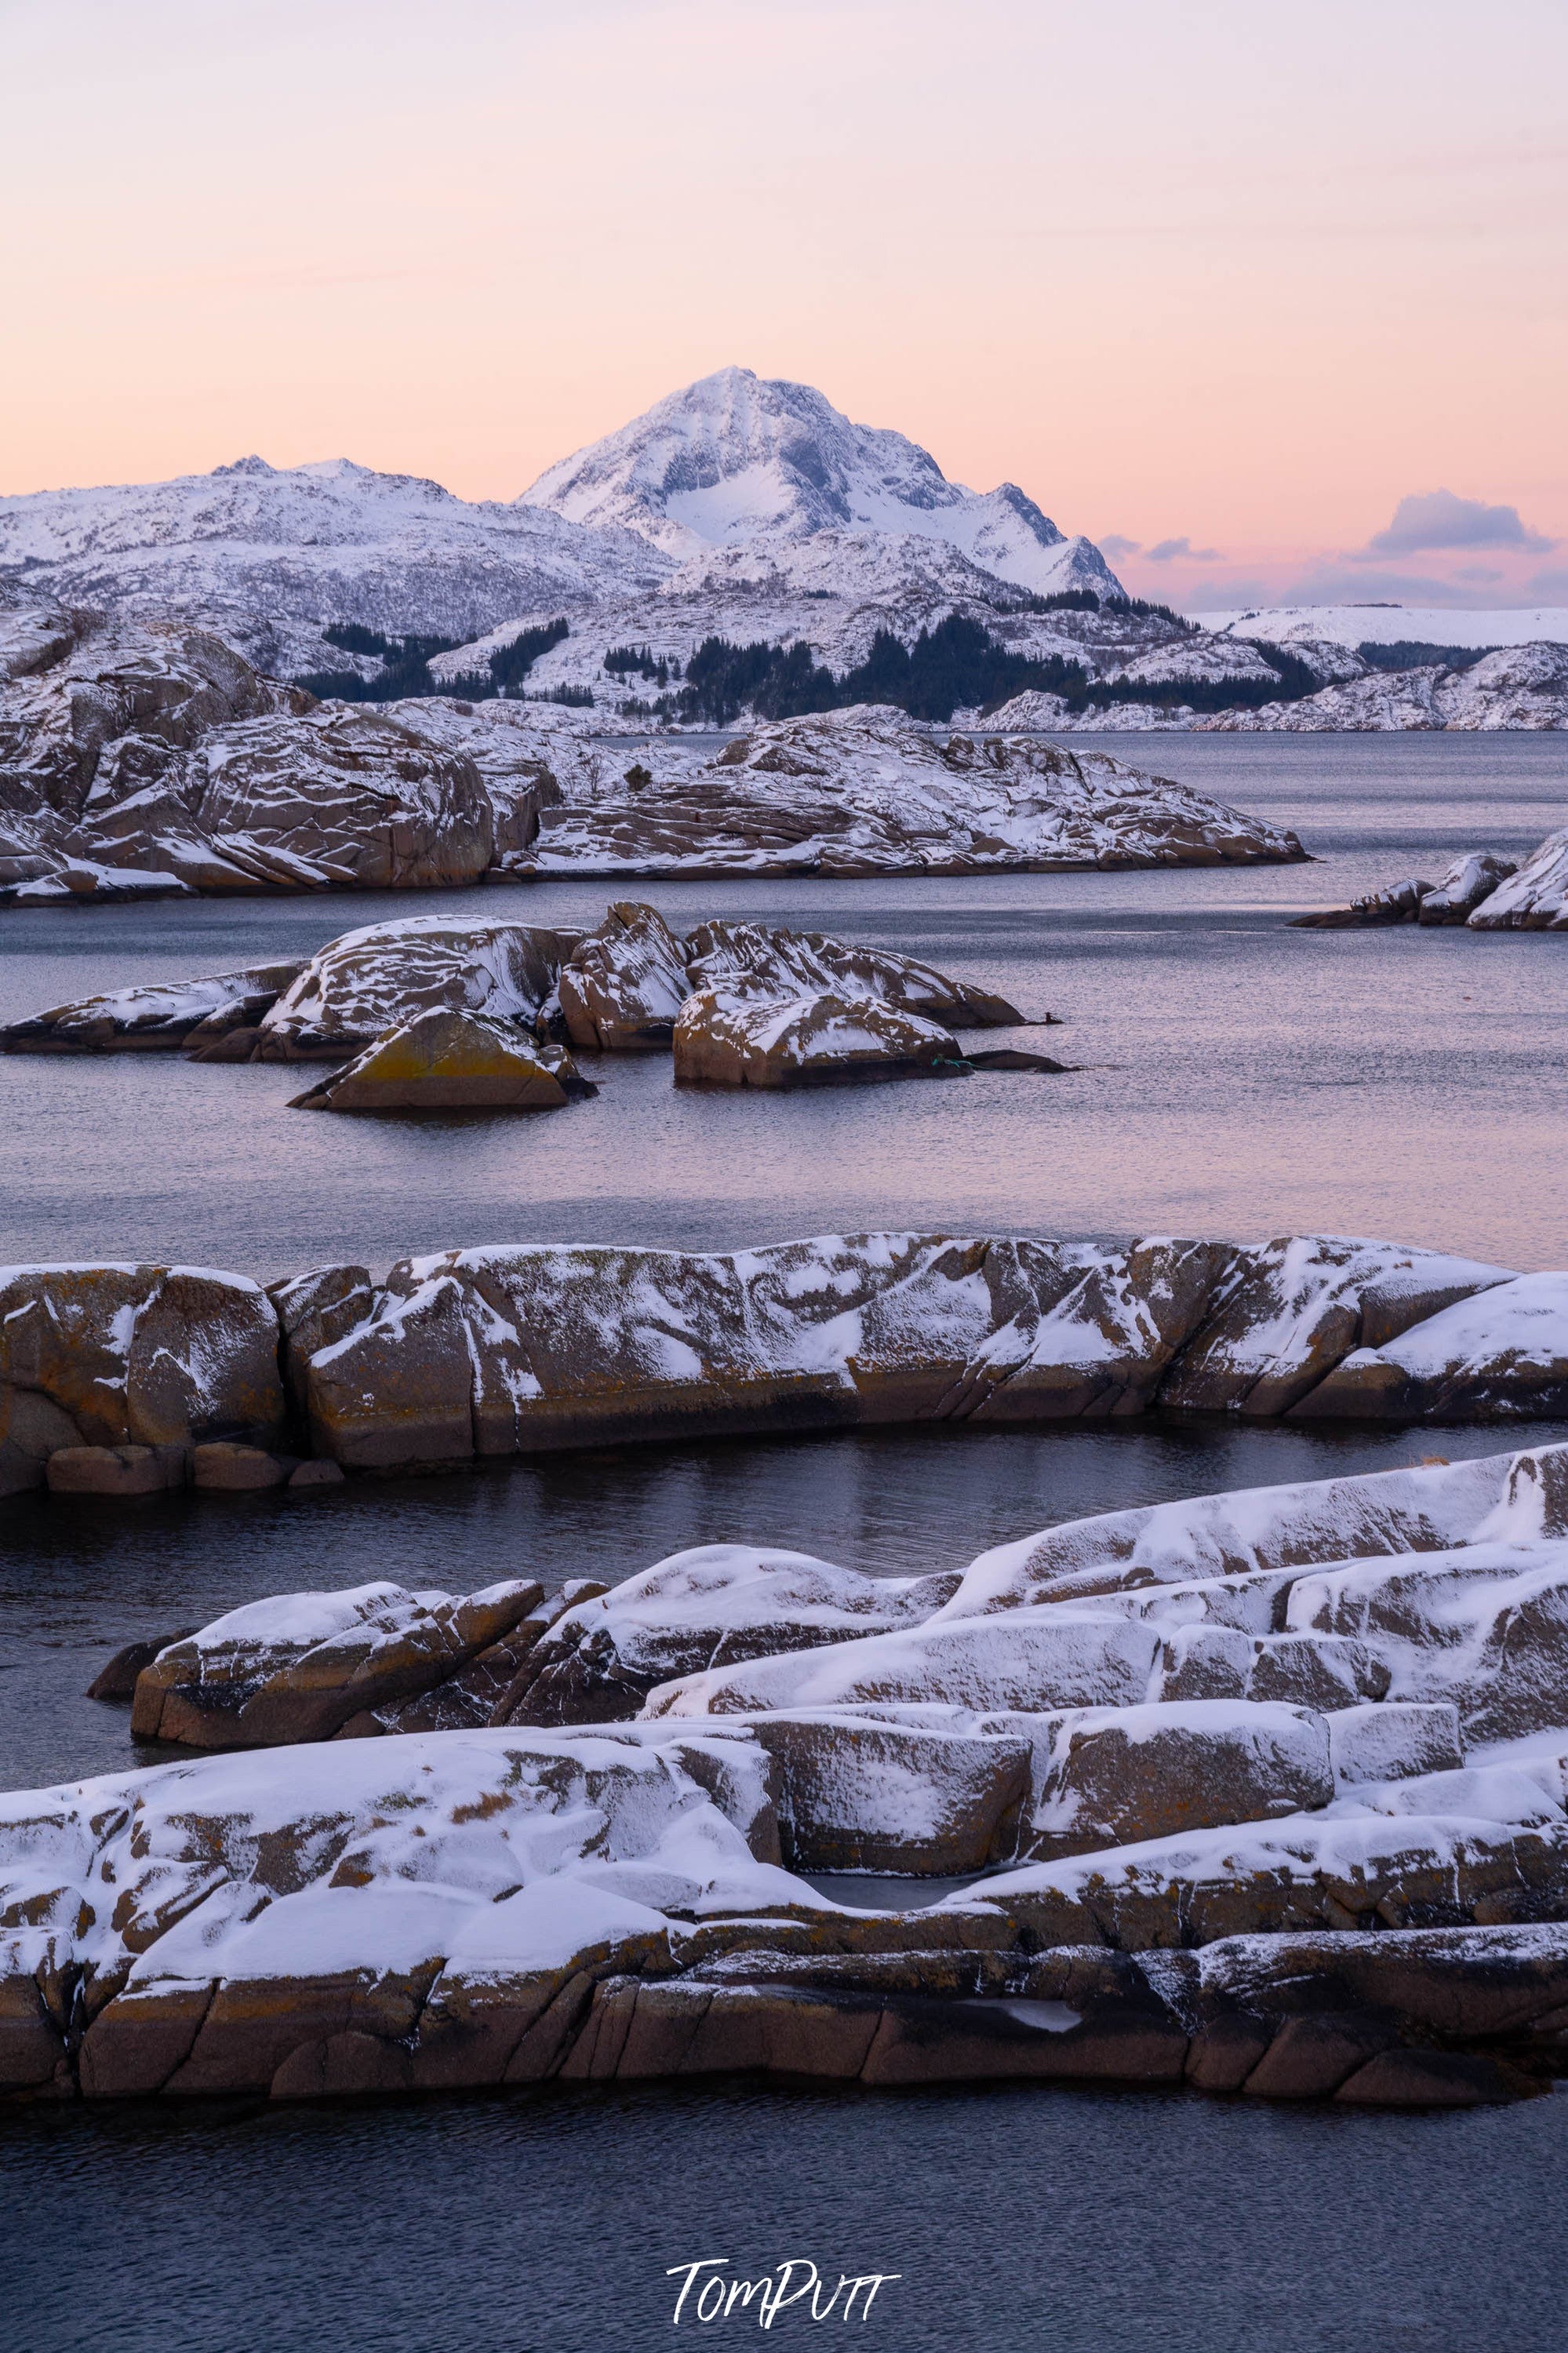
117	1377
1259	1794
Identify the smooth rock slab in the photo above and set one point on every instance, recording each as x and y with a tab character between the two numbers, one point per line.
451	1061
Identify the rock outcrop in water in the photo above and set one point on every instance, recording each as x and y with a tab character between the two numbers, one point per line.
452	1015
522	1348
1485	893
865	792
451	1061
136	755
1361	1894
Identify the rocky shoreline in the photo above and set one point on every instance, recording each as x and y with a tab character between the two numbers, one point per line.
1258	1794
126	1380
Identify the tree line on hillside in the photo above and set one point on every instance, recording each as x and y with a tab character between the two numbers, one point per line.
405	661
959	665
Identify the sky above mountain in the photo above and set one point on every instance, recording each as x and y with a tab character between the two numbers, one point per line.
1270	303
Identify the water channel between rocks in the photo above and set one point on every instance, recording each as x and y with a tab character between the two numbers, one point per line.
1244	1079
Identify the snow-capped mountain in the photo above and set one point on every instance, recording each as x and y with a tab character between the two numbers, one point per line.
265	554
739	457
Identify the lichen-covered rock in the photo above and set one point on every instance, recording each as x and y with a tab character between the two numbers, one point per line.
702	1609
451	1061
722	1039
141	1356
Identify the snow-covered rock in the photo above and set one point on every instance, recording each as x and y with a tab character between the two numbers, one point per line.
1535	899
865	792
1291	1311
1469	884
726	1038
738	457
373	979
142	754
157	1014
770	962
1500	1354
301	1666
1230	1559
1039	1660
1516	687
698	1608
622	987
142	1356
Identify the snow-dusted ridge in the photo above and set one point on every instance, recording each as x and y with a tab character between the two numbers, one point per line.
266	554
739	457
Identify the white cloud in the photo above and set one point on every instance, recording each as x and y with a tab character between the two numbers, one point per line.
1439	519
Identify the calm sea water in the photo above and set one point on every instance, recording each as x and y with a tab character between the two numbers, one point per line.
1242	1079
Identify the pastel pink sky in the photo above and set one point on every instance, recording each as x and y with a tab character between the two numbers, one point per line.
1233	275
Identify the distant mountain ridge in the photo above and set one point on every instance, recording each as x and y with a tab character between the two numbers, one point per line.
740	459
266	554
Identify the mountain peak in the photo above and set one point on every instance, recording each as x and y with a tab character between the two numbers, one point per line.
737	457
251	465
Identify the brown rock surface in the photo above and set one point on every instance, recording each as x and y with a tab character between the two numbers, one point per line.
622	987
451	1061
726	1040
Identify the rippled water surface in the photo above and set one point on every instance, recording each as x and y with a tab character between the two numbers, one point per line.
1241	1079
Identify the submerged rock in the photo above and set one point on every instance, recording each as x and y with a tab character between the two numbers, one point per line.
451	1061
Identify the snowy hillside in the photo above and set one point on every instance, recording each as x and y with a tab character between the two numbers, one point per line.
738	457
264	555
1387	624
834	592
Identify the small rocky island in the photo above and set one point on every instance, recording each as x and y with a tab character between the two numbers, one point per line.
430	1015
145	756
